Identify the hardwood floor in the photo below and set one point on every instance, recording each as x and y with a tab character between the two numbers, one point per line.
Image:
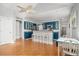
28	48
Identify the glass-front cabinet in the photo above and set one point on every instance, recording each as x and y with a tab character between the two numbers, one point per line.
29	26
54	25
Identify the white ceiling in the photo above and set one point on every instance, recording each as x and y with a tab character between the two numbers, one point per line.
50	11
44	7
43	11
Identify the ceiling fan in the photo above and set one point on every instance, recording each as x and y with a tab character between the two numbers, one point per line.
18	17
28	9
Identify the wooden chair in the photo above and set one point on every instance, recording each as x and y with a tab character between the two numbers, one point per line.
70	49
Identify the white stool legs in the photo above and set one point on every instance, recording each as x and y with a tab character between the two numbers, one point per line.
42	37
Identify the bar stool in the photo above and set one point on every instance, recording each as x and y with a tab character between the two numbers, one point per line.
47	39
36	35
41	37
51	38
33	37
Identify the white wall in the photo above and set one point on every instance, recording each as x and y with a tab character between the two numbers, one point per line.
8	9
74	32
7	30
77	8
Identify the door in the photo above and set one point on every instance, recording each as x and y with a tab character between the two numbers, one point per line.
6	30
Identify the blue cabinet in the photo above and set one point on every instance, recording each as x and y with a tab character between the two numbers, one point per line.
27	35
55	35
54	25
27	25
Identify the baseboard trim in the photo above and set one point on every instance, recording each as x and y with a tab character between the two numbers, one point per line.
7	43
28	39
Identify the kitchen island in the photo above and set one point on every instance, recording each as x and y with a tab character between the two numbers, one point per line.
43	36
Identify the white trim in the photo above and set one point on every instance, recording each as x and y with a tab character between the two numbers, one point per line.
27	31
50	20
28	38
7	43
22	29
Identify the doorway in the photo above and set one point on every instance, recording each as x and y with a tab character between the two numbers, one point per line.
18	29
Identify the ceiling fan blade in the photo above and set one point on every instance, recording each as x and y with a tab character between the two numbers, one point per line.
20	7
29	7
18	17
22	10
